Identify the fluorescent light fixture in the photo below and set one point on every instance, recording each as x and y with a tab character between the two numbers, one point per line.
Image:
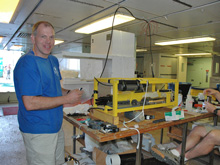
141	50
58	42
185	41
7	9
194	54
16	47
1	38
104	23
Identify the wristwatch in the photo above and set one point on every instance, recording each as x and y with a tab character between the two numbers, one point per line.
216	111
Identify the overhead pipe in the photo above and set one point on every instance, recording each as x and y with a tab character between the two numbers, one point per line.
38	4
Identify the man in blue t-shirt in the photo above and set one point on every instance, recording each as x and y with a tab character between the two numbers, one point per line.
41	98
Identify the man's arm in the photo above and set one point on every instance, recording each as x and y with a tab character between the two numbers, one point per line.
42	103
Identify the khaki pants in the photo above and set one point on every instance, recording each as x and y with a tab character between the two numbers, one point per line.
44	149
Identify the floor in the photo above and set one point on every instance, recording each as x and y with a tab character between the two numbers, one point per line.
12	151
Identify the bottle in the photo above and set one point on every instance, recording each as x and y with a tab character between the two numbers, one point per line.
180	99
189	103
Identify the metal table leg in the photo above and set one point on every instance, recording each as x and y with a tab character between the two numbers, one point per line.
182	155
74	140
211	158
138	152
161	136
215	118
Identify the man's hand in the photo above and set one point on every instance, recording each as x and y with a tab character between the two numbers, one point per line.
74	96
210	92
209	107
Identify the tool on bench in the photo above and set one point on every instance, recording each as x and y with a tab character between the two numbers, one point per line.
102	126
83	120
107	127
159	120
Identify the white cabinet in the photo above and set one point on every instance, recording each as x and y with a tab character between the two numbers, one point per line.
123	43
122	53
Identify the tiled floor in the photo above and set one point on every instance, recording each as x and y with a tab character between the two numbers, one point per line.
12	151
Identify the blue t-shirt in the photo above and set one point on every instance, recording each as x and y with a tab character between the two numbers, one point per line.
36	76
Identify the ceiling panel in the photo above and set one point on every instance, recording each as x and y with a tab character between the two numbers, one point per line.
167	19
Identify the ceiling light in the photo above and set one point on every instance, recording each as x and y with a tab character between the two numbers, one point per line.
58	42
184	41
141	50
1	38
7	9
194	54
16	47
104	23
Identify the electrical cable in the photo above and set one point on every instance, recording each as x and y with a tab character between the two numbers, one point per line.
102	83
145	96
162	87
78	136
110	43
142	112
106	59
138	134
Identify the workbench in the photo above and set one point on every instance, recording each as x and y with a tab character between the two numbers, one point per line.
144	127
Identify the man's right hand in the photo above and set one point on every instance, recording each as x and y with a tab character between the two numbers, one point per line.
210	92
74	96
209	107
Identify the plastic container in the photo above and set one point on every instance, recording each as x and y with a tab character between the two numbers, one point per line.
180	98
189	103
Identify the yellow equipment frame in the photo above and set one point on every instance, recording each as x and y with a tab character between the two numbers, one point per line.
126	95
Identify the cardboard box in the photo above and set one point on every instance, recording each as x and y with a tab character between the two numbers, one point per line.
99	157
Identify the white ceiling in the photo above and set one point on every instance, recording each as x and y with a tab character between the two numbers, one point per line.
168	20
